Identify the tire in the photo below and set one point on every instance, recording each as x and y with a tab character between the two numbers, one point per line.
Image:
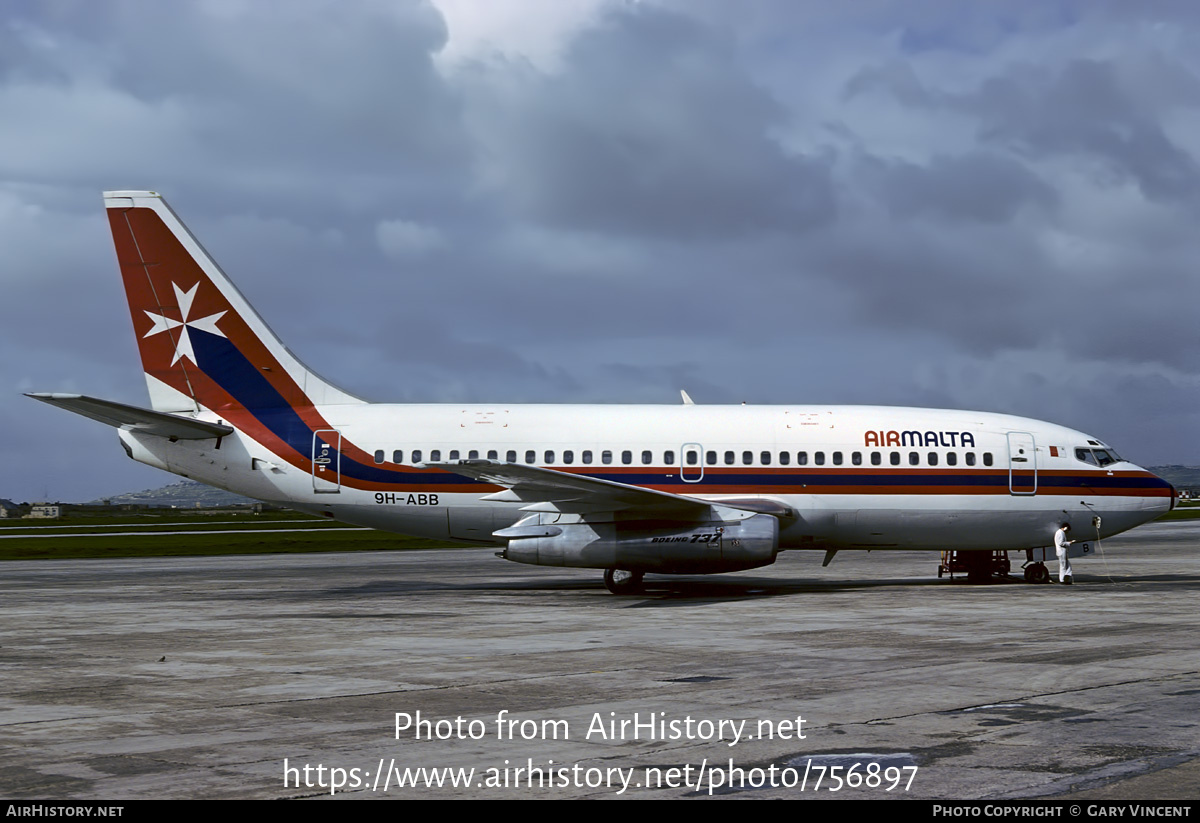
1038	573
621	581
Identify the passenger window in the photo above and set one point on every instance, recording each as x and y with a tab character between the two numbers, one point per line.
933	457
416	455
747	458
510	456
914	459
473	454
587	456
530	456
895	458
952	458
692	457
765	458
837	458
647	459
728	458
987	458
876	458
454	455
669	458
801	458
710	458
606	457
568	456
398	456
819	458
856	458
549	455
493	454
436	456
785	458
626	457
970	458
379	455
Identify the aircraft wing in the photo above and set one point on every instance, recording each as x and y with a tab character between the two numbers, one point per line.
552	490
131	417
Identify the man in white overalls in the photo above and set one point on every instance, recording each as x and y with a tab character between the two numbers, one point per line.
1060	548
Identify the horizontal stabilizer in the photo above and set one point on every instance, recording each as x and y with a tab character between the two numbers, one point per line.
131	417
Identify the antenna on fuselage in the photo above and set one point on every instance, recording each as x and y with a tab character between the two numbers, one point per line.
687	401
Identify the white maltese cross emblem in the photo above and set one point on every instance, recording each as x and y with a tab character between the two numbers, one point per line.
183	343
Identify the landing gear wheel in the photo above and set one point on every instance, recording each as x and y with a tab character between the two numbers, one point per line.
1037	573
620	581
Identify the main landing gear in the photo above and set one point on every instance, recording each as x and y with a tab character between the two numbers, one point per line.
620	581
980	566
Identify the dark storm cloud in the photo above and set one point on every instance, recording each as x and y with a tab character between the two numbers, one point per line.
1083	108
234	99
428	341
980	186
653	127
1080	118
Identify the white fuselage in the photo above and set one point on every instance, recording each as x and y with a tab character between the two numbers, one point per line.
853	476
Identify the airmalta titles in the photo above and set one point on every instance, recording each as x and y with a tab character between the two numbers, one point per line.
917	438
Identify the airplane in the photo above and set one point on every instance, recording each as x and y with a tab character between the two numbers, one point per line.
630	489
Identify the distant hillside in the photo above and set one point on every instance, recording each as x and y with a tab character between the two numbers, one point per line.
1181	477
186	494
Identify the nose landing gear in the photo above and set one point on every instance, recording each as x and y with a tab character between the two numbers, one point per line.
1037	573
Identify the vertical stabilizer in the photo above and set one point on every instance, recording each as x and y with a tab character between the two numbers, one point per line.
202	345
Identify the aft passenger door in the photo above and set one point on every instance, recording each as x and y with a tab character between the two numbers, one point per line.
1022	463
327	461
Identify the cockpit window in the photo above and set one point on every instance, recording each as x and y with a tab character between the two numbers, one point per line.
1098	457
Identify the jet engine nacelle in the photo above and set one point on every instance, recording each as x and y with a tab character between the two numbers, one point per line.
735	541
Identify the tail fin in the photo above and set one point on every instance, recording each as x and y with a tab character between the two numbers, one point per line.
202	345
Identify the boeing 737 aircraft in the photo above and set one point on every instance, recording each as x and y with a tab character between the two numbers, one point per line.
686	489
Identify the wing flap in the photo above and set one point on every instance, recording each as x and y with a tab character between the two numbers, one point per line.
123	416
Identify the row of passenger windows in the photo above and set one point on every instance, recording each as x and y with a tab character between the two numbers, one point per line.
691	457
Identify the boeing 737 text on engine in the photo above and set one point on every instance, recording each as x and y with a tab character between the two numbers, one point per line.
685	489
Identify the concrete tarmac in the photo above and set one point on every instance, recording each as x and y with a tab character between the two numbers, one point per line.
225	677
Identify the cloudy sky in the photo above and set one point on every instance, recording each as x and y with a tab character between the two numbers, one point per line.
970	205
